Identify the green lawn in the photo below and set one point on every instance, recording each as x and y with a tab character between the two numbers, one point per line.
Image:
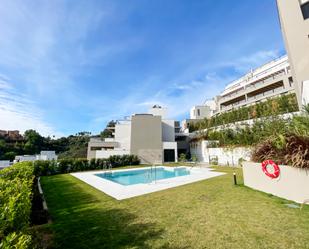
208	214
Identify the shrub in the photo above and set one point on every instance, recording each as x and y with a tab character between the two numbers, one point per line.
17	240
15	206
274	106
182	157
44	168
290	150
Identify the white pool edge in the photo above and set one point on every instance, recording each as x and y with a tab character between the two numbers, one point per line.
121	192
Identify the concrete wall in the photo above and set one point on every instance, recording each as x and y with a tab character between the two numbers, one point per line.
225	156
4	163
47	155
295	32
108	153
146	138
200	112
168	130
25	158
292	184
123	134
158	111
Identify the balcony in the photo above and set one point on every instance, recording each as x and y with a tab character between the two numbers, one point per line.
254	86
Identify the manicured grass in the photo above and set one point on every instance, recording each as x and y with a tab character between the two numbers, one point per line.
209	214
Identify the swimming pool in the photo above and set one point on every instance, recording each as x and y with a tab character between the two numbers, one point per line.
144	175
126	183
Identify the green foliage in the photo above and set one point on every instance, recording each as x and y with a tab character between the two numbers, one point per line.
15	205
108	132
33	143
290	150
194	158
182	157
17	241
9	156
213	160
43	168
271	107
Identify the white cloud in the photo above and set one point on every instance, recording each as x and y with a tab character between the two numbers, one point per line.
18	112
246	63
180	96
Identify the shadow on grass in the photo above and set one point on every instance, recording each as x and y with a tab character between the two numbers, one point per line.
85	218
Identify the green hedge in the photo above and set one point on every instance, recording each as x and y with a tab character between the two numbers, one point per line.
15	205
271	107
43	168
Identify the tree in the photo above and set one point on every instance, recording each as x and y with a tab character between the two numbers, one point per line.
108	131
9	156
34	142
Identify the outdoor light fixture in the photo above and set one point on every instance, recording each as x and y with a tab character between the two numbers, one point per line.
235	180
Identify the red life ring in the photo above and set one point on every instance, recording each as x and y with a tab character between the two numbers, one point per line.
276	172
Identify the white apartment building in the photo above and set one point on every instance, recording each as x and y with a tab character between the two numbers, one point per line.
150	136
43	156
203	111
270	80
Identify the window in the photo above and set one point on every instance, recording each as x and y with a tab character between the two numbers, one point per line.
198	112
305	9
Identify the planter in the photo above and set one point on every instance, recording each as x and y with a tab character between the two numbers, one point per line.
292	183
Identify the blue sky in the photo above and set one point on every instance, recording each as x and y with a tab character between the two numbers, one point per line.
70	66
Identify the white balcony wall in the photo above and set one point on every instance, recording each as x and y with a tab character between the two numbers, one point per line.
123	134
168	130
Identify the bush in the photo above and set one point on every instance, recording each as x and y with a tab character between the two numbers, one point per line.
44	168
182	157
290	150
15	206
271	107
17	240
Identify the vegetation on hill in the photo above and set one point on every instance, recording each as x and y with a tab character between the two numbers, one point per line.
73	146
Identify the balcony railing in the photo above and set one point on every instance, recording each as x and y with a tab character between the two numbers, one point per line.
253	86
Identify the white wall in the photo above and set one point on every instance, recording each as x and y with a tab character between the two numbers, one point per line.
123	134
292	184
108	153
47	155
168	130
4	163
25	158
158	112
205	112
225	156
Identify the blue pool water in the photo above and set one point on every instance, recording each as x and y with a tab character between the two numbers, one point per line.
143	175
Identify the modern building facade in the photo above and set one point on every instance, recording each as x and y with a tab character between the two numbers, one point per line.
294	20
203	111
150	136
270	80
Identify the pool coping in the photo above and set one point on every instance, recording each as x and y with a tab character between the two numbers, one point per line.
121	192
